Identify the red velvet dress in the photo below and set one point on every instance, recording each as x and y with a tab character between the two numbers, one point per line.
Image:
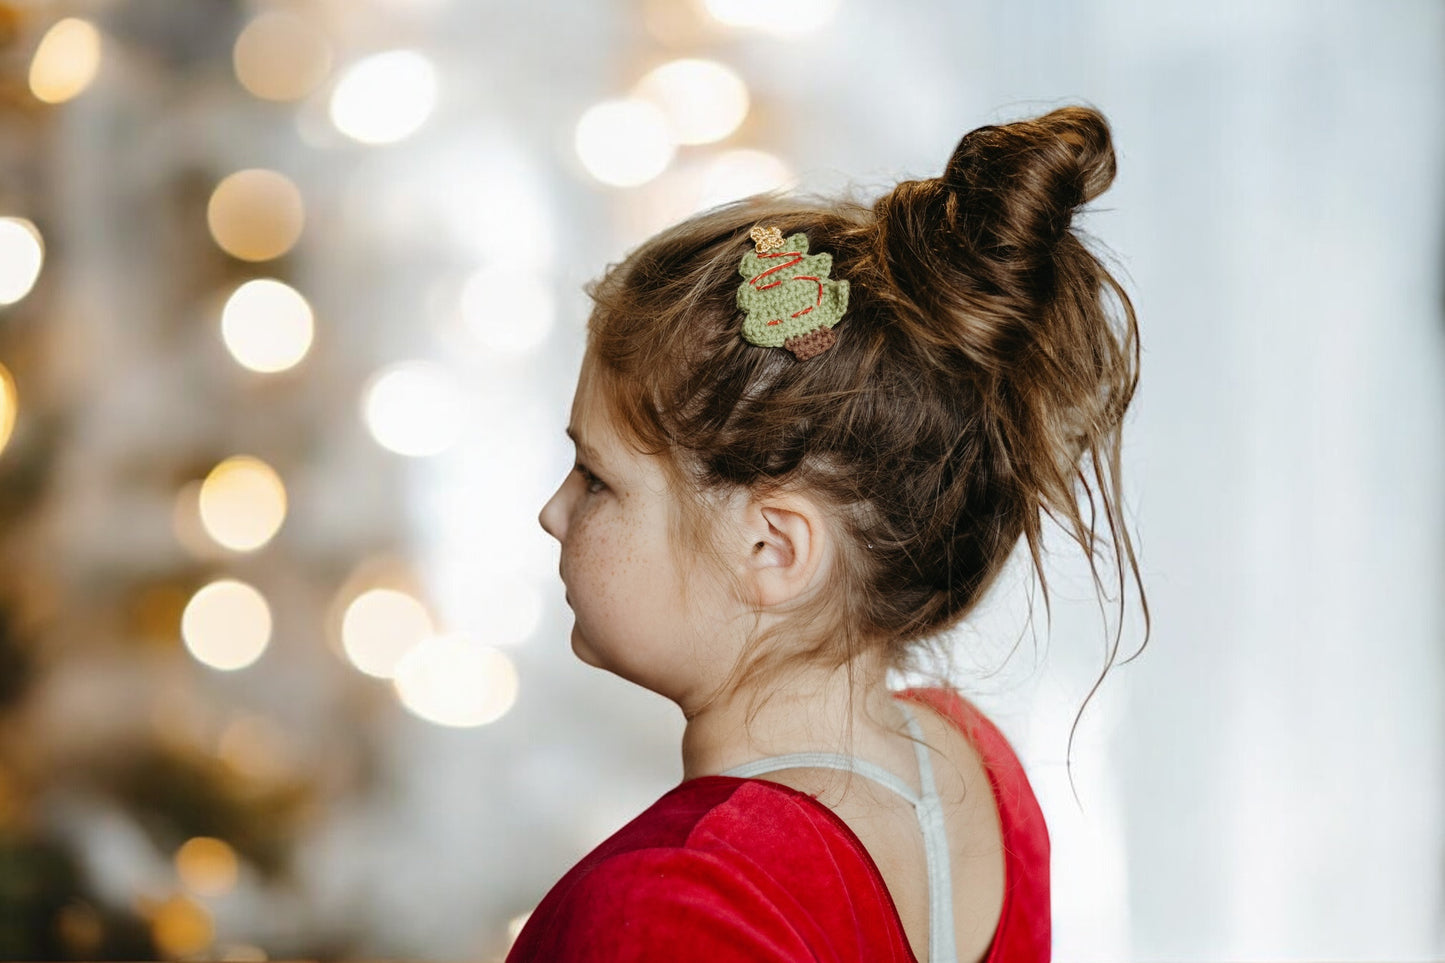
724	869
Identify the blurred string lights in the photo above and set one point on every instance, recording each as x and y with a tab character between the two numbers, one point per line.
413	408
675	139
22	252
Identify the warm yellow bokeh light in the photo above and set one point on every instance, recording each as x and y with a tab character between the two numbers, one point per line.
795	18
279	56
624	143
207	866
181	927
413	408
9	406
66	61
256	214
379	627
507	309
703	100
452	680
22	252
385	97
267	325
226	625
242	503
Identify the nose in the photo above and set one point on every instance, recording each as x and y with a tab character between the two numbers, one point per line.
553	517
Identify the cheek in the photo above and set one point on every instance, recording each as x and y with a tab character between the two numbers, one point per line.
613	569
592	558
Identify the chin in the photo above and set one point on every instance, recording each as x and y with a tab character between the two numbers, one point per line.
581	649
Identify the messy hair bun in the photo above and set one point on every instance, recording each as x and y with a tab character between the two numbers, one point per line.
977	386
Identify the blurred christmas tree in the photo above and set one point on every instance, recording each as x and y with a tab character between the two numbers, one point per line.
171	721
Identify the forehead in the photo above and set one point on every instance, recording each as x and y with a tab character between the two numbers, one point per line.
593	424
600	433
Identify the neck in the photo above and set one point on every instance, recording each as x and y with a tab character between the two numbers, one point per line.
812	708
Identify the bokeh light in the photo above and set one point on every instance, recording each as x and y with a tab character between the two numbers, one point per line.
256	214
279	56
226	625
242	503
207	866
66	60
181	927
267	325
380	626
21	254
9	406
703	100
624	142
413	408
385	97
797	17
736	174
452	680
507	309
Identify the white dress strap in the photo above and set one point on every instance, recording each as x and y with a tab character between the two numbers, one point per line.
825	760
942	944
942	947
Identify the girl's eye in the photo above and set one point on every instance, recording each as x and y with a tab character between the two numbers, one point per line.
594	484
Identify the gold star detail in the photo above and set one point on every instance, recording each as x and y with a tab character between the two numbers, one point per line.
767	239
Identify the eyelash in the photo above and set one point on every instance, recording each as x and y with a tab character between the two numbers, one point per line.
594	484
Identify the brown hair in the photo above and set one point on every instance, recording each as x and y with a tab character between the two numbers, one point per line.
978	383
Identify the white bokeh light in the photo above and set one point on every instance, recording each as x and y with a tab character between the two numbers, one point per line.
21	254
384	98
736	174
509	310
226	625
267	325
413	408
624	142
452	680
380	626
703	100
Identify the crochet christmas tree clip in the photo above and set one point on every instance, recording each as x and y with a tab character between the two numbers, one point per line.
789	300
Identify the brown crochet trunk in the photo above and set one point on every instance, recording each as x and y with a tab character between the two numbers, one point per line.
805	346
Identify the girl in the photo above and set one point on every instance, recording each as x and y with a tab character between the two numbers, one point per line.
808	438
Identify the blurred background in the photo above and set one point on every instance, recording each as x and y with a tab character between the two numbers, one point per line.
290	309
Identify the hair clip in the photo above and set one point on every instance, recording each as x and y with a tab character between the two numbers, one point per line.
790	302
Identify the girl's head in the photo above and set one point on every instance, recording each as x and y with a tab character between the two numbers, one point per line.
977	384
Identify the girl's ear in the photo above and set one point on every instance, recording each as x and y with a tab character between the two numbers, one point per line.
788	544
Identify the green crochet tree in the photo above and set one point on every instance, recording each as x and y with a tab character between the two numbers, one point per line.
790	302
